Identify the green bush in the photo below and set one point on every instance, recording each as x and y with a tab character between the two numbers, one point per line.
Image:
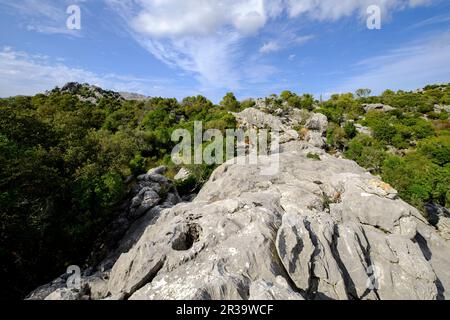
63	161
229	103
350	130
336	136
417	179
437	149
313	156
366	151
137	165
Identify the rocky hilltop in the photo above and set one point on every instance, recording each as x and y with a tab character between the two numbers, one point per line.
322	228
91	93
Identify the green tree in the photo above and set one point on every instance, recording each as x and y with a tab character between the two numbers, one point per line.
230	103
367	151
437	149
307	102
286	95
363	93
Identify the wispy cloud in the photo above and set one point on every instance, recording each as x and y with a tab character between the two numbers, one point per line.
202	38
285	40
271	46
409	67
205	38
443	18
43	16
333	10
22	73
206	57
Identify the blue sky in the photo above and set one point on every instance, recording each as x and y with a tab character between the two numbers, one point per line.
178	48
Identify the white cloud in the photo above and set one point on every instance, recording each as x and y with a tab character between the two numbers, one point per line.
270	46
444	18
205	37
285	40
22	73
334	10
35	8
303	39
43	16
197	36
175	18
410	67
206	57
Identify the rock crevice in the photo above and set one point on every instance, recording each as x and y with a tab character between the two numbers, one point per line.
318	229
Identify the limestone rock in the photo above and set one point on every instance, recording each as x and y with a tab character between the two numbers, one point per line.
318	230
444	227
64	294
318	122
280	290
315	139
364	130
182	175
295	247
44	291
159	170
254	118
441	108
377	107
97	285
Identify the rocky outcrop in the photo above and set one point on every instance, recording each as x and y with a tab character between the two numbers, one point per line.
150	194
252	118
321	228
441	108
314	129
377	107
440	218
86	92
317	127
133	96
90	93
182	175
318	230
364	130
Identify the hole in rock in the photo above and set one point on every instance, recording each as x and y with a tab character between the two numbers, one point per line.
186	240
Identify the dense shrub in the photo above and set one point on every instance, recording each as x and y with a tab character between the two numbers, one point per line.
367	151
63	165
64	160
421	172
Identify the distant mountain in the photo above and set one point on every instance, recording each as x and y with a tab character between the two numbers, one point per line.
92	93
133	96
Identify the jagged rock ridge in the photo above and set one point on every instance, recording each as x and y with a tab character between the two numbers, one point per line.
92	93
322	228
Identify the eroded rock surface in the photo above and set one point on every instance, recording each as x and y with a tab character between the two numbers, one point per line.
317	229
377	107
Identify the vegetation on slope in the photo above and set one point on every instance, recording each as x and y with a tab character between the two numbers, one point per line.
66	158
409	146
64	161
